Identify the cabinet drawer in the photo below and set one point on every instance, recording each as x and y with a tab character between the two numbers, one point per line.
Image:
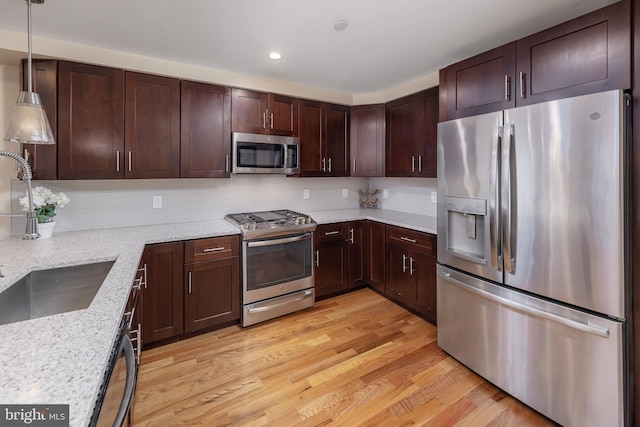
416	240
326	232
213	248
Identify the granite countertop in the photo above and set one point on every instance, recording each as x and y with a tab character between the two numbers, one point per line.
62	358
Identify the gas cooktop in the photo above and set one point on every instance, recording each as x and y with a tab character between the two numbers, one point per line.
271	223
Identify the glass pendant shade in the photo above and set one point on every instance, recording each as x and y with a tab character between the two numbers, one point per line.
28	123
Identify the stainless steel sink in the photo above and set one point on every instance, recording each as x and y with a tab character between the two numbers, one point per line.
57	290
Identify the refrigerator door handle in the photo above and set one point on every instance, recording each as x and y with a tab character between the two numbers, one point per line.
585	327
494	199
508	194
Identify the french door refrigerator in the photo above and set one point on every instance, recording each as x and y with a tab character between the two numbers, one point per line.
532	272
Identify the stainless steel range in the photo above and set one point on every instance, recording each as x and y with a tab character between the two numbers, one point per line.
277	263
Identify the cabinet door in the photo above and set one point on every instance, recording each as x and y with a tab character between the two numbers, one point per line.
405	135
585	55
205	127
331	274
43	158
367	140
90	122
401	284
248	111
336	139
428	162
152	126
162	299
425	273
357	236
481	84
375	253
283	115
310	129
212	293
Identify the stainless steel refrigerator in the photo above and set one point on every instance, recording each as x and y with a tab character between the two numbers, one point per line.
532	272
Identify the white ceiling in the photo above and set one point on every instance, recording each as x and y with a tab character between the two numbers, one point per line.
388	42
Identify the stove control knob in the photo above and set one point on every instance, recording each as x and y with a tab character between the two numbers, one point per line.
300	220
309	220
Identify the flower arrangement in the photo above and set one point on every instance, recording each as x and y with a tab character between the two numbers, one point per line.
45	203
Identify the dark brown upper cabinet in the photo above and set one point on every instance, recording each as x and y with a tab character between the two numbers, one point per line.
411	126
152	126
585	55
588	54
324	138
42	158
263	113
481	84
90	140
367	140
205	130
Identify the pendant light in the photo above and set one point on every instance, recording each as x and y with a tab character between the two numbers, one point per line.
28	123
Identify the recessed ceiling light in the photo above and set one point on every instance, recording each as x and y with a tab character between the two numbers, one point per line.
275	55
341	25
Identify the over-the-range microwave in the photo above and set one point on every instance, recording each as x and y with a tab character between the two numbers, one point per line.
255	153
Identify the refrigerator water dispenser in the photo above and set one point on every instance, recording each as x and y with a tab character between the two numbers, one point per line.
466	219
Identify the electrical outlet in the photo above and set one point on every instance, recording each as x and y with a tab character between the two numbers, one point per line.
345	193
434	197
305	194
157	202
385	194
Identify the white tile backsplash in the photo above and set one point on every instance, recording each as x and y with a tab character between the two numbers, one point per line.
117	203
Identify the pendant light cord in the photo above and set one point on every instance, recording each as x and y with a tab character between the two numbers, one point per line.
29	46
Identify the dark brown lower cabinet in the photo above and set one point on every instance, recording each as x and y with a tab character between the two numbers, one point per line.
357	262
212	293
191	286
162	305
375	256
331	255
410	270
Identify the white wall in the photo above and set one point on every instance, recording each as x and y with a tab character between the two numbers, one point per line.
9	90
116	203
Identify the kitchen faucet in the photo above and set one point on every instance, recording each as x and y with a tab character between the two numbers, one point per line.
31	231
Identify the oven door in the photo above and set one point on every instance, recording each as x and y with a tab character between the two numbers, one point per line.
276	266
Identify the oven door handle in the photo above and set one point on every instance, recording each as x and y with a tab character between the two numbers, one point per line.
260	243
130	385
287	300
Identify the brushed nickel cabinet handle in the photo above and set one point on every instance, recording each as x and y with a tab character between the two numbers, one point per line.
264	120
507	88
317	258
226	163
271	120
129	161
406	239
324	164
523	85
411	269
219	248
351	235
404	263
189	282
329	164
413	163
419	163
117	160
331	233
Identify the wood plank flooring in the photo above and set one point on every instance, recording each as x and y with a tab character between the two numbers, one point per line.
353	360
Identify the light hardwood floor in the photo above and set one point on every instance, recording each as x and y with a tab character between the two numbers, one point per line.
353	360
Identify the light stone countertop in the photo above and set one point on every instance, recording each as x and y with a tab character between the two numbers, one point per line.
61	359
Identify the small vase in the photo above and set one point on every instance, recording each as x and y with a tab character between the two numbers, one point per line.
45	229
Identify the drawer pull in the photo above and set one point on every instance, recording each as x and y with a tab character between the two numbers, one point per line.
331	233
218	249
406	239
